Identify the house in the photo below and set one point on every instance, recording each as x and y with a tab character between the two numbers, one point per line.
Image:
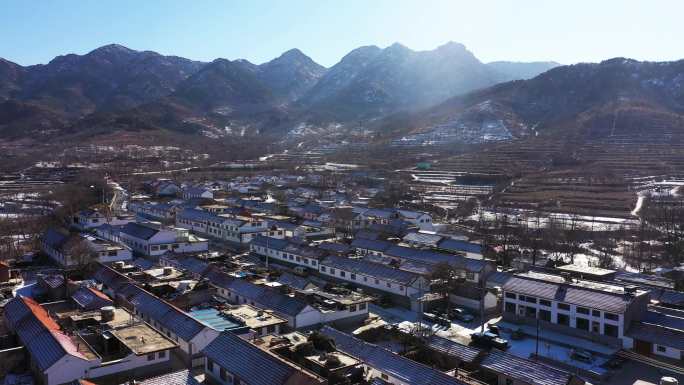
164	188
285	250
366	246
388	366
469	249
123	347
583	308
164	212
421	220
230	228
88	219
191	334
659	333
376	277
197	193
152	239
53	243
107	251
232	360
420	239
305	309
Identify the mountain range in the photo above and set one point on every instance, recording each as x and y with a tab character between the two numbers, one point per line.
115	88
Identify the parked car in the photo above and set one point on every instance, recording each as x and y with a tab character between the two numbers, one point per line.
490	340
582	355
461	315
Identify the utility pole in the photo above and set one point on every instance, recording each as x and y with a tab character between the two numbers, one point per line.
536	348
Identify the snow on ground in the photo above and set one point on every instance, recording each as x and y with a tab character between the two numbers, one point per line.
553	345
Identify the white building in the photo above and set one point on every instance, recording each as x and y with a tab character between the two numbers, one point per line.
225	227
583	308
152	239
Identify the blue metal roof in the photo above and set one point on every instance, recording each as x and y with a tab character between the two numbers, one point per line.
370	244
452	348
247	361
215	319
432	257
404	369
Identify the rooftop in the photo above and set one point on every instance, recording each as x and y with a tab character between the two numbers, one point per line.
142	339
254	318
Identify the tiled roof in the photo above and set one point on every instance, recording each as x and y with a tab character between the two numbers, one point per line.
404	369
656	334
139	231
452	348
247	361
370	269
169	316
334	247
294	281
183	377
526	371
370	244
431	257
422	238
55	238
456	245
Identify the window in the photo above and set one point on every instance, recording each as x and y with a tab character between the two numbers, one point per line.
510	307
150	357
661	348
352	276
563	319
161	354
596	313
389	285
544	315
343	274
582	310
610	330
545	302
470	275
564	306
313	263
223	374
332	271
511	295
377	281
323	269
210	365
163	247
611	316
270	328
582	323
352	307
112	253
362	306
529	299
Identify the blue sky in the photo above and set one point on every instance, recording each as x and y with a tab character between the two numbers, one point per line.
34	32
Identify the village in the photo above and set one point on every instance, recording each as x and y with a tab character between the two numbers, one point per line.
322	278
